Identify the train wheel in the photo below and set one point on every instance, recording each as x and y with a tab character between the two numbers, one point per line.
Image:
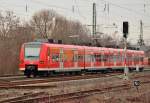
67	73
34	75
34	72
28	75
83	72
141	69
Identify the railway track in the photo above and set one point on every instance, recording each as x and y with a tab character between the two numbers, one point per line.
37	97
46	98
29	82
23	82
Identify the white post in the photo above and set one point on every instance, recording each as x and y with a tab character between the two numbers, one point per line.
125	60
137	68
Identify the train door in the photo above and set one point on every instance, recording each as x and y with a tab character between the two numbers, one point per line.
119	58
55	58
111	62
106	58
68	61
148	61
102	58
115	58
92	60
87	59
97	59
61	59
132	59
75	58
81	57
48	57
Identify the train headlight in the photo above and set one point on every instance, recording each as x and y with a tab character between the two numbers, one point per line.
41	62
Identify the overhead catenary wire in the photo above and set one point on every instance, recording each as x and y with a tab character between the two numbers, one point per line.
79	9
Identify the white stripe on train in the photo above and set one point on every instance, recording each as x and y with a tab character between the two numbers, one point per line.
79	68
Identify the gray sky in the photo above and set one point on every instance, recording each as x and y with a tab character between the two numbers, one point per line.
119	10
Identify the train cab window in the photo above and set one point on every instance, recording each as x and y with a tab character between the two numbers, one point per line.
32	51
55	57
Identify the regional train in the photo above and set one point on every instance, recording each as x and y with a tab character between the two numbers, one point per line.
41	58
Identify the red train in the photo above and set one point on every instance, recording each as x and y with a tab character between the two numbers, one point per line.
44	58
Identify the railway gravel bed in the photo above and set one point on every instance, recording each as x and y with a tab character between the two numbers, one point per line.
22	83
105	89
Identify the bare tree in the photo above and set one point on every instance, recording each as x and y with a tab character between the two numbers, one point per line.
8	22
49	24
12	36
44	21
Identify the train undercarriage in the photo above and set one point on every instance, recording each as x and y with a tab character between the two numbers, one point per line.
32	71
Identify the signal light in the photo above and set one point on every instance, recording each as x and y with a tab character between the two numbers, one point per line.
125	29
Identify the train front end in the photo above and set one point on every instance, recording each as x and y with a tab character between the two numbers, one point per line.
30	58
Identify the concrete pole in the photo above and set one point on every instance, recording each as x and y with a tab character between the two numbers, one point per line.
125	60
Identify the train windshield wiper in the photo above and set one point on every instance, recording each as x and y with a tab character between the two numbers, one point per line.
31	56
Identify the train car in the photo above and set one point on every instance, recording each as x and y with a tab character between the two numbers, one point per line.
38	58
147	62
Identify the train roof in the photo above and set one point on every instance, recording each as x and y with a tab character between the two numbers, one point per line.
87	47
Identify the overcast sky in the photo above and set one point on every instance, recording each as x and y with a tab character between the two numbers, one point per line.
109	12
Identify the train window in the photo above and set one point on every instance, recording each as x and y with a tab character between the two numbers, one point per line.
55	57
136	59
128	58
87	58
118	58
141	59
131	58
111	59
122	58
105	57
92	58
97	57
75	58
114	58
80	58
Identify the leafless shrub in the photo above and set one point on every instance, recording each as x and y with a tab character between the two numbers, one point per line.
12	35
